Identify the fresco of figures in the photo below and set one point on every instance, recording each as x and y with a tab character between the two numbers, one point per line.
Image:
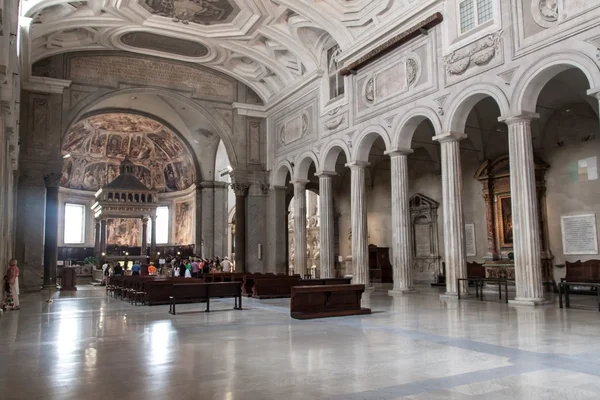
183	223
124	232
96	145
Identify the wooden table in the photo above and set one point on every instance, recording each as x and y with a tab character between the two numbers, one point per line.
564	287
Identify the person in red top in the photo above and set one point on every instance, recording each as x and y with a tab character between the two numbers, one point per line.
11	281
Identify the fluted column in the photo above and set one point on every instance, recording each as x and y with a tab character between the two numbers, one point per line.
326	227
241	190
360	244
51	233
102	236
454	227
144	236
526	228
153	239
300	227
97	239
401	244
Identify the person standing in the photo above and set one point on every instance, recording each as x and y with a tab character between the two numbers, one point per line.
195	268
226	264
11	297
118	270
135	270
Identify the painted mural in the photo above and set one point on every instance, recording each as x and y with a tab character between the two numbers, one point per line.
124	232
96	145
183	223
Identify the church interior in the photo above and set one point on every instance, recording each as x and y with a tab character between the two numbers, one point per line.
326	199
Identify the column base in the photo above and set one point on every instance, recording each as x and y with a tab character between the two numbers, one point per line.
454	296
529	302
401	292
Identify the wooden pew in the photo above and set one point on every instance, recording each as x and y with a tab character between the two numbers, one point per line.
323	301
582	271
326	281
196	292
273	287
475	270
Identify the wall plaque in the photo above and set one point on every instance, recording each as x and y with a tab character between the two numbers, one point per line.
579	234
470	240
112	70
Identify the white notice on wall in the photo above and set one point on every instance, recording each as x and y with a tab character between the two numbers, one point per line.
579	234
470	240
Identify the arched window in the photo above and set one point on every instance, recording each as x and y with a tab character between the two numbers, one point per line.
336	81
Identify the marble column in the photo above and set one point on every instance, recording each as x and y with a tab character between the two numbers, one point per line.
241	190
526	228
51	230
153	239
102	236
97	252
360	241
401	243
454	226
326	233
276	231
489	222
220	219
144	235
300	227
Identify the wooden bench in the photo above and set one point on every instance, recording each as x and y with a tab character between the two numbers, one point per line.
475	270
326	301
196	292
564	288
326	281
274	287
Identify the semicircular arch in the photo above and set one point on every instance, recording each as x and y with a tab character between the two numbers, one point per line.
365	141
303	163
409	123
462	105
331	153
280	172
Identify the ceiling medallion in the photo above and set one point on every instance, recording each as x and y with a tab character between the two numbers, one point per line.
549	10
204	12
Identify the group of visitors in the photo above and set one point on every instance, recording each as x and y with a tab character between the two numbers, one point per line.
196	267
177	267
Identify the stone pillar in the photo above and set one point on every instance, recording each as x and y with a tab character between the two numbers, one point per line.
51	231
526	228
489	222
144	235
220	219
454	227
326	228
360	245
102	236
153	239
241	190
401	243
208	219
300	227
97	251
276	231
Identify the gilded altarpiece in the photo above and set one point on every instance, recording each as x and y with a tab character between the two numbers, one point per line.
494	175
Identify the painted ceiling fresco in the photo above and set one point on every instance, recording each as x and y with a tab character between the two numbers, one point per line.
98	144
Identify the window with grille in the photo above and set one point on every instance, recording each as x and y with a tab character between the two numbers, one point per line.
336	81
474	13
74	223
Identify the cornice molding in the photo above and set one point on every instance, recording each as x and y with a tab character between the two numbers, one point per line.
46	85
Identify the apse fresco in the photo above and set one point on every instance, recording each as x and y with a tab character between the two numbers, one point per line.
99	143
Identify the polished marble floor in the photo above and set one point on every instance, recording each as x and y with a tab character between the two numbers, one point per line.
88	346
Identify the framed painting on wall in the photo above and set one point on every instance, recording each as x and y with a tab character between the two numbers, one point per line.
504	223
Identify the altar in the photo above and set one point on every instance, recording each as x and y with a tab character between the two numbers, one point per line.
494	175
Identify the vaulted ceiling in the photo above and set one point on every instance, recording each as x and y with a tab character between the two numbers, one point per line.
269	45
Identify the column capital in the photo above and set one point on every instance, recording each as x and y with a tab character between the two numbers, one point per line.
52	180
518	117
240	189
449	137
300	182
325	174
398	152
357	164
594	92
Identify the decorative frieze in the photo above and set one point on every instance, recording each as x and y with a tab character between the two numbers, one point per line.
478	53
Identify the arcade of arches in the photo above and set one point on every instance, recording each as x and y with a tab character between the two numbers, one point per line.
403	144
